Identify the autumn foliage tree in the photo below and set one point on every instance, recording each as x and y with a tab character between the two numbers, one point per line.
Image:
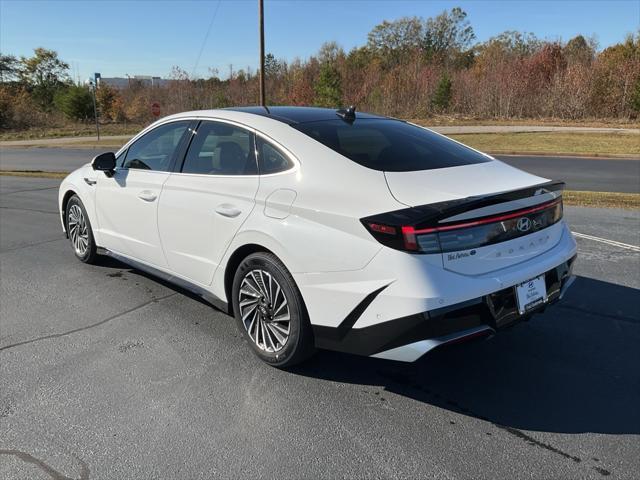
411	67
110	103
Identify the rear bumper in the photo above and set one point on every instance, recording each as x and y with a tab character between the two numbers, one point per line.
408	338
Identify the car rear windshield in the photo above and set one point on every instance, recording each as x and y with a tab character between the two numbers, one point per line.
390	145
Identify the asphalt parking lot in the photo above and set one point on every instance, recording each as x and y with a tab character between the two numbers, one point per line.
107	373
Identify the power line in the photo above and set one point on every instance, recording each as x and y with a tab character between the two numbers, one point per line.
204	42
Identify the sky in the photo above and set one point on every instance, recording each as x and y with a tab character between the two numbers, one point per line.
120	37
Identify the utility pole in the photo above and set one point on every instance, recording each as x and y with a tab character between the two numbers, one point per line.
93	85
263	100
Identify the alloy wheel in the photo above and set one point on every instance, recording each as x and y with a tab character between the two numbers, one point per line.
264	310
78	231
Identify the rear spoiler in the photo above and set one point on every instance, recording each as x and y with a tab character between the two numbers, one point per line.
426	216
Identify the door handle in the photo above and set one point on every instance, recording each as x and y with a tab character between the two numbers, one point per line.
147	196
228	210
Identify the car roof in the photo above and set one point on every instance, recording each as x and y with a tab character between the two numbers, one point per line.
293	115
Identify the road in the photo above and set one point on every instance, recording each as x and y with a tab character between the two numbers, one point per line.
107	373
46	159
593	174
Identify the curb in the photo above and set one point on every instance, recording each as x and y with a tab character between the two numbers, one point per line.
588	156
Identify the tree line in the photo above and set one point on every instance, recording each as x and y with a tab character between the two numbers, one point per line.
410	67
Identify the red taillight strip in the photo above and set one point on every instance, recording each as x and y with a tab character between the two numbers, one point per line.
409	235
484	221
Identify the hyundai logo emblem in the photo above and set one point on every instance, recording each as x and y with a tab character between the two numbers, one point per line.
524	224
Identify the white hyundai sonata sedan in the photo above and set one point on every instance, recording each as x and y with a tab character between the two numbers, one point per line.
318	228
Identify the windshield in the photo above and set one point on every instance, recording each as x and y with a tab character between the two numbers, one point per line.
390	145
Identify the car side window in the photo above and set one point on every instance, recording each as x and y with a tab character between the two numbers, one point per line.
155	150
219	148
271	159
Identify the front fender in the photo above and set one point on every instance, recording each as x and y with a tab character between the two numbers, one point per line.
86	190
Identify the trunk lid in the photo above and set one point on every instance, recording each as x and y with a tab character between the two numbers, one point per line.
443	184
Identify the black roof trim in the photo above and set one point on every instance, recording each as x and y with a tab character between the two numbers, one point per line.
294	115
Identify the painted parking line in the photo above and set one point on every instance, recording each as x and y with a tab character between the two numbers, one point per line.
633	248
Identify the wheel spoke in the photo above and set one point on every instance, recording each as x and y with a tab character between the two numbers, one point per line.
250	327
256	283
271	299
269	336
274	331
281	306
280	328
255	289
278	292
248	311
261	284
282	318
264	342
249	301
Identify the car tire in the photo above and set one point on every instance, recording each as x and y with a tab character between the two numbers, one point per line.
79	231
270	312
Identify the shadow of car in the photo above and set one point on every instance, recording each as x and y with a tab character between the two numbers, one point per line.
573	369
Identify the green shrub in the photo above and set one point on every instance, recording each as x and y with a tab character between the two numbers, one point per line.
75	102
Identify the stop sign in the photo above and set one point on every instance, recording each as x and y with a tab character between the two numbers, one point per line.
155	109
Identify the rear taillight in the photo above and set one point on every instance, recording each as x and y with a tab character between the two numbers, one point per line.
420	242
456	236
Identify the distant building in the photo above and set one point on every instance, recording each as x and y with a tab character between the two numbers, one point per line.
125	82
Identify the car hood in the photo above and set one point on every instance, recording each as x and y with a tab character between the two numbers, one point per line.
443	184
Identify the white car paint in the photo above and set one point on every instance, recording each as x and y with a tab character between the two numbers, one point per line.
126	209
450	183
190	225
198	216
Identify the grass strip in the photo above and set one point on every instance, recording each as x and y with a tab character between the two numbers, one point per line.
33	173
87	130
530	143
107	143
576	198
554	143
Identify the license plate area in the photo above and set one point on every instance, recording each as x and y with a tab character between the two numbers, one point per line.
531	294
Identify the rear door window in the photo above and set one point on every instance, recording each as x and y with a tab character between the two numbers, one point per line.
220	148
390	145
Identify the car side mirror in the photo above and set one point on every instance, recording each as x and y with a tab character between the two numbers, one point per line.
105	162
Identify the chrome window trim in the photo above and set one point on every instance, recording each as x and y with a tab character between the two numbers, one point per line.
148	129
295	162
286	151
230	122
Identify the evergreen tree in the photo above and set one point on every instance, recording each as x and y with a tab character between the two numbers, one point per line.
442	96
75	102
328	88
635	97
